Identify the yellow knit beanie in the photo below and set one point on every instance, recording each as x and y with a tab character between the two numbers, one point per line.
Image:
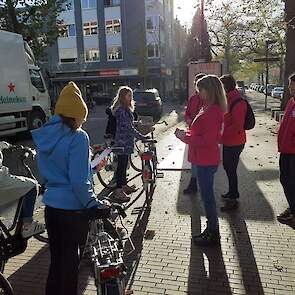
70	103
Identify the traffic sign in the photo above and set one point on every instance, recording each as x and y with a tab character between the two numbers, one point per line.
264	59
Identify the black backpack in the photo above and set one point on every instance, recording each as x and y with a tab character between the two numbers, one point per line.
250	117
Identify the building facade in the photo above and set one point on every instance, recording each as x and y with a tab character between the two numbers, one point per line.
107	43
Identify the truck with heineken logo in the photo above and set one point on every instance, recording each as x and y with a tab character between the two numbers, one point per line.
24	100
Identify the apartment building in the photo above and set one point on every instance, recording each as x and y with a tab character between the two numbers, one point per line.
102	45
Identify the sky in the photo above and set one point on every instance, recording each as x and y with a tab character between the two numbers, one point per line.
185	10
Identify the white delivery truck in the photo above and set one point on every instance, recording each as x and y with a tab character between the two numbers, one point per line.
24	100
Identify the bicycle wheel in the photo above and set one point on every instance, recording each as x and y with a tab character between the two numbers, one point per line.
135	160
150	186
106	174
5	287
113	287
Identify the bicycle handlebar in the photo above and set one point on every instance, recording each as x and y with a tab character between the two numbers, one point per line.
149	141
27	151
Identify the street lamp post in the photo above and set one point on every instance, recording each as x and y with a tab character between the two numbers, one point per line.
267	42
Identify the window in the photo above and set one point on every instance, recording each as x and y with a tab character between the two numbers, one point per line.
108	3
36	80
153	50
113	26
115	53
92	54
67	30
72	30
88	4
90	29
65	60
152	23
68	5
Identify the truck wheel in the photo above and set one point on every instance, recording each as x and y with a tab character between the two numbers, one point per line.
36	120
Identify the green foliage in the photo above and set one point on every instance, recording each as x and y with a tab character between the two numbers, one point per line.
36	20
239	28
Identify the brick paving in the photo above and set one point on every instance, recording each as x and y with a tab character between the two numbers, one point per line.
256	255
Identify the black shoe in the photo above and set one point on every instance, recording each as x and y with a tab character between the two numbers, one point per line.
208	238
285	216
230	196
230	204
192	187
201	234
225	196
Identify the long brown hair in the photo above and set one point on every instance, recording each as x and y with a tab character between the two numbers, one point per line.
215	90
120	99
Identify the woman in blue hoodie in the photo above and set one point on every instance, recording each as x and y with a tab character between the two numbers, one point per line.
64	162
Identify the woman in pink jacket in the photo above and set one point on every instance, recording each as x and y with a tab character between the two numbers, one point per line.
193	107
286	144
203	138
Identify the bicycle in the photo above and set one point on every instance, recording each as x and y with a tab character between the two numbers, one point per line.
139	148
104	247
12	243
105	157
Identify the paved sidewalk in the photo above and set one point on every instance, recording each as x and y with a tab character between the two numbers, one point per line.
256	255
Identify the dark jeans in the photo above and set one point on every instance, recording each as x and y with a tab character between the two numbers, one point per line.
206	182
28	205
66	231
287	178
121	171
231	157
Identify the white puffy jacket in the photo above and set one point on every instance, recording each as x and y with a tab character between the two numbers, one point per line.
12	187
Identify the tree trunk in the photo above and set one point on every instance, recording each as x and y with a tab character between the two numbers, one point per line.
290	47
14	24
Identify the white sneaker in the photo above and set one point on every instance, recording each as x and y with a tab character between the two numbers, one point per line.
31	229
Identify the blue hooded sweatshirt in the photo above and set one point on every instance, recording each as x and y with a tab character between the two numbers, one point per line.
64	162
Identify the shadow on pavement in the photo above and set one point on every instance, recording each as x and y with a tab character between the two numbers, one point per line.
137	235
30	279
207	273
236	241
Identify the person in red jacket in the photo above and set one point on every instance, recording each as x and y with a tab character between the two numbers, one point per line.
203	137
193	107
233	140
286	145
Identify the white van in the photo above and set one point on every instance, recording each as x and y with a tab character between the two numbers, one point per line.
24	100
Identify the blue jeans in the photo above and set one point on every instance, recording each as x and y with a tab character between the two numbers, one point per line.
28	205
206	182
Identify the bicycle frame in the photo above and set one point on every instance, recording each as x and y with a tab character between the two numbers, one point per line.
106	254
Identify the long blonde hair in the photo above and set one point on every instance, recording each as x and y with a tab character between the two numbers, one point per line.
215	90
120	99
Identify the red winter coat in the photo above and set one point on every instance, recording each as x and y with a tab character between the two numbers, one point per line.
203	137
234	133
286	135
193	107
